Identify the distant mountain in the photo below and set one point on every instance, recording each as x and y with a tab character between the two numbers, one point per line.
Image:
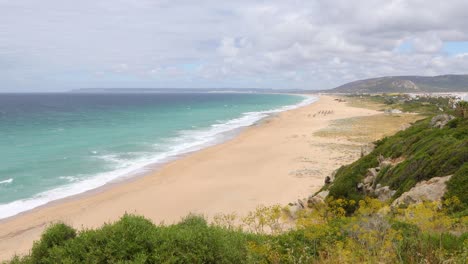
407	84
178	90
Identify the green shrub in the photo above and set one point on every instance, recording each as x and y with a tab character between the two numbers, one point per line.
130	238
55	236
134	239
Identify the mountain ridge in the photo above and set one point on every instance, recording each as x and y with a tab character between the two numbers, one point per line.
407	84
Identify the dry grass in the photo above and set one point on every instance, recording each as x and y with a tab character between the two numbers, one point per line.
368	129
364	130
364	102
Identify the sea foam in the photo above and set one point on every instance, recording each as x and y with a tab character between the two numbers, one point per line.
8	181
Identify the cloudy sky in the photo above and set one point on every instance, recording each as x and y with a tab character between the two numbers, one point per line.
57	45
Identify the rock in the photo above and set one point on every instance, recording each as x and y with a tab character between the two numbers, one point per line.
301	203
293	210
360	186
314	201
370	176
430	190
386	163
384	193
383	162
372	172
323	194
368	180
440	121
405	84
327	180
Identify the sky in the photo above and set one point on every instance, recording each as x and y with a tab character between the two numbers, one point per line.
58	45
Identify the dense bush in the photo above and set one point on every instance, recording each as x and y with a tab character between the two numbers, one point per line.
56	236
372	234
134	239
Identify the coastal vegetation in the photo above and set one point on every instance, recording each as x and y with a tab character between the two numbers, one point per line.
422	105
374	233
420	152
424	153
351	225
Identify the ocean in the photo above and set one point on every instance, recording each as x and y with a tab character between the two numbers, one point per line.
56	145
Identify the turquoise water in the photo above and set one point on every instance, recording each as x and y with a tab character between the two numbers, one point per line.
57	145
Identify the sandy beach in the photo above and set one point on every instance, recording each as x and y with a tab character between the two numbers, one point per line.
278	161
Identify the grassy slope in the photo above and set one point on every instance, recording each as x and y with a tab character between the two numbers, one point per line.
427	152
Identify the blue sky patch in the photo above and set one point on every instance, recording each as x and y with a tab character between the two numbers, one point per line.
455	47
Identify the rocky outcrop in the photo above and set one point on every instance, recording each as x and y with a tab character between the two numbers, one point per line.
370	176
405	85
440	121
384	162
313	202
369	186
300	203
430	190
293	210
383	193
323	194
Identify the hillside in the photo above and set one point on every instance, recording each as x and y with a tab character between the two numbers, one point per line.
407	84
426	150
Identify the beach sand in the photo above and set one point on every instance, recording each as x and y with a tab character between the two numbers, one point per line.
285	157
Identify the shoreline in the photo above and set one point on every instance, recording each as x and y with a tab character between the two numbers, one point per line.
153	165
152	168
222	178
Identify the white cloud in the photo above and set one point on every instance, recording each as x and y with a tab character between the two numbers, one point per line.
120	68
427	43
281	44
228	47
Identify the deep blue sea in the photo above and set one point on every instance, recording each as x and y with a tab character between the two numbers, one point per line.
57	145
